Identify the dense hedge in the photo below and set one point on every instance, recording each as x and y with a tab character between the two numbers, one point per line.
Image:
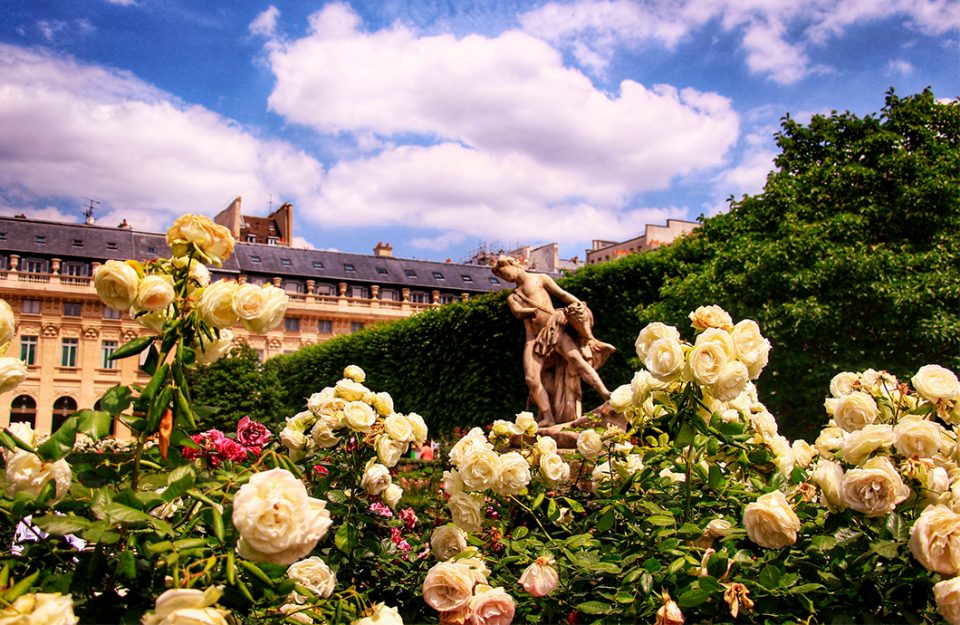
849	259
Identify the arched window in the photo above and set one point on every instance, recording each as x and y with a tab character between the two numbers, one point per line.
62	408
23	409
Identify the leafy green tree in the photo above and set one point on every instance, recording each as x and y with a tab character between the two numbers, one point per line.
848	259
235	386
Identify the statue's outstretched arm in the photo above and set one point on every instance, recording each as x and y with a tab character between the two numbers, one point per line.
554	289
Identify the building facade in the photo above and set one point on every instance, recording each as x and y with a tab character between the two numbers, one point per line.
653	237
66	334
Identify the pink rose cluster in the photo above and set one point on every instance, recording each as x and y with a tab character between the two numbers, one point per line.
216	447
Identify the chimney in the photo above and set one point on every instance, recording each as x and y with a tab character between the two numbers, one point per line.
124	225
383	250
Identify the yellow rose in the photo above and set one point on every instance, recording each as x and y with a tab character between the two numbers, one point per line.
389	450
711	317
116	283
526	423
397	427
853	411
380	614
13	372
419	427
935	540
211	239
589	444
770	521
752	349
391	495
731	382
314	575
843	383
155	293
447	541
474	441
554	468
27	473
355	373
216	304
861	443
828	475
383	404
874	489
8	326
664	359
248	301
273	306
479	469
350	390
465	510
215	350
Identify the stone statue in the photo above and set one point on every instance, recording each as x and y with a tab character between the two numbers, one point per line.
560	349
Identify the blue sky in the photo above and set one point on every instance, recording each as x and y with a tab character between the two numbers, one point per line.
431	125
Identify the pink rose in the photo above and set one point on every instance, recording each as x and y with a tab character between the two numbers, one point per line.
492	606
540	578
252	433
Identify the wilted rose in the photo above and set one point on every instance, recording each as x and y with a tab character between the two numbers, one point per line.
211	239
710	317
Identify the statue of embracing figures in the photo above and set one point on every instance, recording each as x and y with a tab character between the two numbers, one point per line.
560	349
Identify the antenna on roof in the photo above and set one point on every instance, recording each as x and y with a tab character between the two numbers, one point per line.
270	205
88	214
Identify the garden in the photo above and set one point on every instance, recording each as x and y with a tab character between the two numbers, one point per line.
690	506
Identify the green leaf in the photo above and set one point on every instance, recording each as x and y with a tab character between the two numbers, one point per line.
573	505
693	597
156	381
769	576
61	524
132	348
886	548
182	414
716	477
519	532
660	520
60	443
94	423
179	481
152	360
119	513
605	521
346	538
116	399
126	568
823	543
594	607
553	512
21	587
804	588
684	436
897	528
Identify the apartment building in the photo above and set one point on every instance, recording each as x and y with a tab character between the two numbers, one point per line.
66	334
654	236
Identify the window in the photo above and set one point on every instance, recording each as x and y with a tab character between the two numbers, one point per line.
317	264
254	259
40	238
494	280
106	350
72	309
437	275
110	313
418	297
251	238
382	270
62	408
111	245
447	299
323	289
410	273
3	262
356	326
74	268
285	262
293	286
3	236
30	307
291	324
467	278
389	294
348	267
28	349
325	326
272	240
151	249
34	265
78	243
23	409
68	353
358	291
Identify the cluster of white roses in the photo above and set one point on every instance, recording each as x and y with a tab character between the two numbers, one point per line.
188	605
350	410
147	291
612	454
459	591
27	473
47	608
13	371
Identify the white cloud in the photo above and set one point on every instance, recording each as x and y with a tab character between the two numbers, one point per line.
900	67
507	142
48	213
77	131
777	35
265	24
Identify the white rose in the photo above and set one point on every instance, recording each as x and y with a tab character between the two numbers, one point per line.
765	423
448	586
295	441
276	519
381	614
803	452
359	416
27	473
199	274
491	606
274	303
323	435
350	390
502	429
829	441
13	372
706	362
843	383
554	469
40	609
474	441
155	293
861	443
853	411
546	445
603	472
874	489
540	578
752	349
465	510
391	495
653	332
934	383
452	483
916	436
383	404
947	595
397	427
513	475
247	301
376	478
419	428
731	382
711	317
215	350
589	444
187	606
210	239
355	373
389	450
8	326
447	541
621	398
935	540
479	470
828	475
526	423
314	575
664	359
116	283
771	522
216	304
